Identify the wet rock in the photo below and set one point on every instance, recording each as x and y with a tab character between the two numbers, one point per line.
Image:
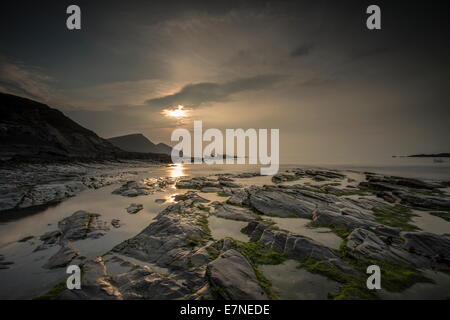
200	257
285	176
364	243
50	193
142	283
134	208
82	225
133	189
224	178
232	212
324	174
233	277
246	175
62	258
211	189
424	201
169	240
192	196
294	246
281	204
27	185
116	223
332	217
4	264
427	244
238	197
25	239
198	183
50	237
144	187
229	184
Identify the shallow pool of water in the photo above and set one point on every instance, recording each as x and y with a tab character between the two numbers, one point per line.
429	223
300	226
222	228
440	290
291	283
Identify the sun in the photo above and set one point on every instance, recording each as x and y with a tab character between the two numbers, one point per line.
178	113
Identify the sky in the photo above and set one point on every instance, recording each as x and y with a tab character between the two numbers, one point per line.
338	92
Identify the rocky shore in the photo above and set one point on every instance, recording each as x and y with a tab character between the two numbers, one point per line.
28	185
176	256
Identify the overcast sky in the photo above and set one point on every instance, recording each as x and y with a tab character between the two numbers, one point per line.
339	93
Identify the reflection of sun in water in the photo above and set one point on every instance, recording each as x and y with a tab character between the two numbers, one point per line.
177	113
176	170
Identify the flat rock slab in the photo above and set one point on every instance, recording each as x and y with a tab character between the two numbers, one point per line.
134	208
233	277
82	225
227	211
190	195
211	189
62	258
280	204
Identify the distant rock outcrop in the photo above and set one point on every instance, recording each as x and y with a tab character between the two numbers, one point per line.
32	130
139	143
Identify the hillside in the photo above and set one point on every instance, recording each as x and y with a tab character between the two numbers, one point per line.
139	143
33	130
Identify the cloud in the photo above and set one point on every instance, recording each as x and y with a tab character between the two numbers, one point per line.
302	50
198	94
26	81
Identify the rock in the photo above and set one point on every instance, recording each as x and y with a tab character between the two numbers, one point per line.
232	212
134	208
169	240
281	204
160	200
423	201
200	257
144	187
319	178
332	217
427	244
198	183
229	184
3	263
294	246
324	174
133	189
211	189
191	195
62	258
238	197
50	237
246	175
233	277
141	283
25	239
285	176
116	223
82	225
364	243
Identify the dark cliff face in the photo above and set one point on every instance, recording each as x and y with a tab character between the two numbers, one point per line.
29	129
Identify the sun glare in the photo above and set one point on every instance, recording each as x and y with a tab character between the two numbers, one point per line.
179	112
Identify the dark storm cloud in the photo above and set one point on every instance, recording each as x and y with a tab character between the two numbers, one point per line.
26	81
302	50
195	95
